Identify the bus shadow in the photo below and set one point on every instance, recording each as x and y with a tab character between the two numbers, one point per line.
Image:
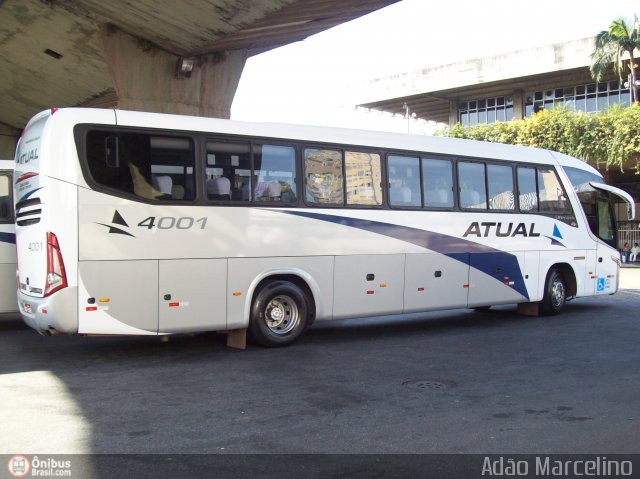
438	322
465	321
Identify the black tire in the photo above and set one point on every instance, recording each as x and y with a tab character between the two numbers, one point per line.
279	314
555	293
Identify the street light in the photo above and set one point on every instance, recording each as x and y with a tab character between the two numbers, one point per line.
184	67
408	115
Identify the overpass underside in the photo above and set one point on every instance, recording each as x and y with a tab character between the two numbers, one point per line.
60	53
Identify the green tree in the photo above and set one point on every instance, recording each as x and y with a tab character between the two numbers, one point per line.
605	140
611	47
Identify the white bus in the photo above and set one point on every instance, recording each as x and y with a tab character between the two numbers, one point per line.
8	303
141	223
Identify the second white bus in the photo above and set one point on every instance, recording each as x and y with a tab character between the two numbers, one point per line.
140	223
8	303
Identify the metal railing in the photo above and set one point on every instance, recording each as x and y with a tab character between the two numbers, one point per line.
628	232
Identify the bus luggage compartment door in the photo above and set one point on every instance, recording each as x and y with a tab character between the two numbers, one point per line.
368	285
496	278
435	281
192	295
118	297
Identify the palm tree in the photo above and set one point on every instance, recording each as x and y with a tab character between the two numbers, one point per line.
611	47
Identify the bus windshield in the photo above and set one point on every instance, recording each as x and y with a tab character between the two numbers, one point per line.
595	203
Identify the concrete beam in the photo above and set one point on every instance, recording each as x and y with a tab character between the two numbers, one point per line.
144	78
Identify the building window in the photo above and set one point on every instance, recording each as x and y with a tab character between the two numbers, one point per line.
488	110
590	98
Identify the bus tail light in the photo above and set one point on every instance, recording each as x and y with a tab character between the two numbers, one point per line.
56	274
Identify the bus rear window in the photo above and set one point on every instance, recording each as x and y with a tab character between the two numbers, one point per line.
149	166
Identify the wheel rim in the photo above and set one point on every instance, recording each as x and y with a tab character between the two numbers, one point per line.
557	293
281	315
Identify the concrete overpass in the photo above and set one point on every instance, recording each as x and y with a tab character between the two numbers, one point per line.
125	53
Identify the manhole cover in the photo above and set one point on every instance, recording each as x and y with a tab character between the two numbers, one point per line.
428	384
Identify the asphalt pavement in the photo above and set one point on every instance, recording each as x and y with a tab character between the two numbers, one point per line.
445	382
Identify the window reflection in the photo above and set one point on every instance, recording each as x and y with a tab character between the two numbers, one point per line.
323	176
364	178
500	187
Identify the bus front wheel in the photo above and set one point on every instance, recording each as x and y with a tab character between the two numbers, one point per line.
278	314
555	293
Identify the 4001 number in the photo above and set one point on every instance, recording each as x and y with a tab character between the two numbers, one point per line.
170	222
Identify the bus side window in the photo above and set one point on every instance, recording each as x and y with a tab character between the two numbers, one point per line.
471	180
552	196
102	166
145	165
437	180
323	176
500	181
364	178
275	172
527	191
228	171
404	181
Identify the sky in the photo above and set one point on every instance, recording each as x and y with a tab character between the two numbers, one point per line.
320	80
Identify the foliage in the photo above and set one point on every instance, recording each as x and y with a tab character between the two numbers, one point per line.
622	38
611	45
604	140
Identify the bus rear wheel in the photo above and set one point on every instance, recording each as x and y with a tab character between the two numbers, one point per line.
279	314
555	293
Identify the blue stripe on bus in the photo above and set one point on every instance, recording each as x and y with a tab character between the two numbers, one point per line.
480	257
8	238
28	194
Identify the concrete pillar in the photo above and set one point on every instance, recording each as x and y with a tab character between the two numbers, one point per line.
9	137
453	113
144	78
518	104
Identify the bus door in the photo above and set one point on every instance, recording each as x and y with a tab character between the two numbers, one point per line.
602	223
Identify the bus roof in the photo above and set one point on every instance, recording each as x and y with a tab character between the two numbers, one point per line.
319	134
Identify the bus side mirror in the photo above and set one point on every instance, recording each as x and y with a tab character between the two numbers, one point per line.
112	153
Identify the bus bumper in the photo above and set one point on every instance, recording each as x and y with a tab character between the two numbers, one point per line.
39	313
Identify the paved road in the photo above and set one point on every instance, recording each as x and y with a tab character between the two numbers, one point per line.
452	382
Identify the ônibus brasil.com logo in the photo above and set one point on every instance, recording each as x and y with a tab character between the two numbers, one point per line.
20	466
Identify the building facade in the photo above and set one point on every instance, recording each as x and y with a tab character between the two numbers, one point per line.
511	86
